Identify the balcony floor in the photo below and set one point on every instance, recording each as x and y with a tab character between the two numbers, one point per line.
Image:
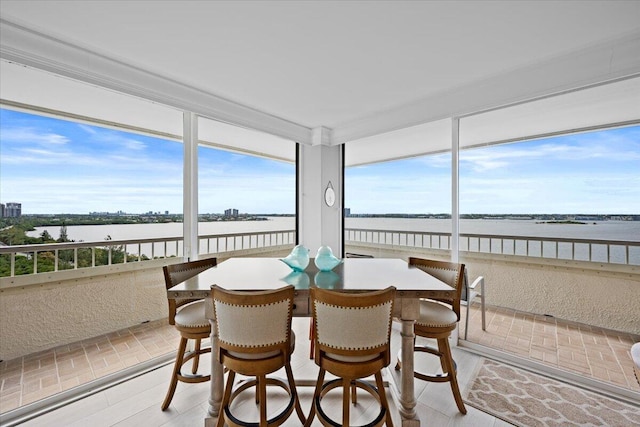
590	352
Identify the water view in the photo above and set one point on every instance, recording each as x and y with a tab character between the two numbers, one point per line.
590	230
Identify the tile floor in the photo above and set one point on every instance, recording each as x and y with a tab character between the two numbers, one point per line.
582	349
586	350
136	402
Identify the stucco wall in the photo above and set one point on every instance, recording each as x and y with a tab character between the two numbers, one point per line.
42	311
607	296
603	298
37	318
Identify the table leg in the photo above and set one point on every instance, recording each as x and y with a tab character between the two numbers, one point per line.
407	393
217	381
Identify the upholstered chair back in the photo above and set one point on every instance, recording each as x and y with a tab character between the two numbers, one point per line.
253	322
178	273
353	323
453	274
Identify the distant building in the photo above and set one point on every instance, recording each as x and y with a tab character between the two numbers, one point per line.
1	210
12	210
347	211
231	213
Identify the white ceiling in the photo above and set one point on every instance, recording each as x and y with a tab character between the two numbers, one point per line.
326	63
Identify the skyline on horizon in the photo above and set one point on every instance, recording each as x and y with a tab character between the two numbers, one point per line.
62	167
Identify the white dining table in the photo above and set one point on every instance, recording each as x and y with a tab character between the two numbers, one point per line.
353	274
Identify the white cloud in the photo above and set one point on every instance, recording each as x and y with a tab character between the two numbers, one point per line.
32	136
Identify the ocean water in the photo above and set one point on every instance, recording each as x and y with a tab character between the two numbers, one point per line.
598	230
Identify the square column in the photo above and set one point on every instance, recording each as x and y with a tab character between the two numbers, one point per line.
319	223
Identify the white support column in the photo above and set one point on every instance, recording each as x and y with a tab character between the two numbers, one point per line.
455	188
320	224
455	204
190	186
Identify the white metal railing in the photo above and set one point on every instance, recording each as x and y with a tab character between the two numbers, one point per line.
139	250
109	252
600	251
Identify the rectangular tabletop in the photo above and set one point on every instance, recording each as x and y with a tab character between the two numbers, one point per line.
354	274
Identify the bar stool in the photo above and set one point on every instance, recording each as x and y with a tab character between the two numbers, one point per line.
189	319
255	339
351	334
438	318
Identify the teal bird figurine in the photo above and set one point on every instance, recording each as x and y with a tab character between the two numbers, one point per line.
325	260
298	259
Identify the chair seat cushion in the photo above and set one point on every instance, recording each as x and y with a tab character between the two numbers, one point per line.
265	355
352	359
192	316
433	314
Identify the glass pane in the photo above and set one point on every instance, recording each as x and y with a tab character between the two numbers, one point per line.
246	194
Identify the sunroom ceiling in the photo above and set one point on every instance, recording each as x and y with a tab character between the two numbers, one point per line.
352	69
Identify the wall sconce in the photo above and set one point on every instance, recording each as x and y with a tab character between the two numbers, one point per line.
329	195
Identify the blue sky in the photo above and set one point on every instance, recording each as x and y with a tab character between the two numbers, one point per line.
55	166
596	172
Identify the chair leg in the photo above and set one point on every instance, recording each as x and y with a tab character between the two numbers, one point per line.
196	358
176	371
225	398
262	392
443	345
484	314
346	404
466	318
316	394
383	399
294	392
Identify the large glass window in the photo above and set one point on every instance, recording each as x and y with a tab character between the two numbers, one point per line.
246	184
576	186
405	202
63	181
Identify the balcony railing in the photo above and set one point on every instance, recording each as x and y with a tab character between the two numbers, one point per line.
138	250
598	251
77	255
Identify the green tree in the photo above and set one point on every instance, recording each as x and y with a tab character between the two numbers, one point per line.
63	234
46	237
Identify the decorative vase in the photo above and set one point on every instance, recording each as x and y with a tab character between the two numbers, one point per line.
298	259
325	260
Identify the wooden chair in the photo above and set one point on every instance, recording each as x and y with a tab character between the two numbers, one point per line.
311	348
189	319
351	334
438	318
255	339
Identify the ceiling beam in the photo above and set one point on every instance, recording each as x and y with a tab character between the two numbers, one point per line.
604	62
34	49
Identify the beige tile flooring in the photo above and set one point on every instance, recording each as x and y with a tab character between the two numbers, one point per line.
35	376
585	350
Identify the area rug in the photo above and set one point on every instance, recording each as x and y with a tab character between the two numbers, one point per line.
530	400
